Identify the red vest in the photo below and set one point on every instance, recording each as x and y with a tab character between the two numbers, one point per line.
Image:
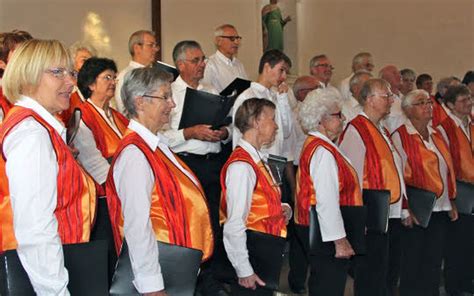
380	171
265	213
439	114
76	204
179	214
422	169
5	105
349	190
462	150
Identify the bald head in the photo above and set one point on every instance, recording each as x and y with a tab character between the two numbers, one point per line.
391	74
303	85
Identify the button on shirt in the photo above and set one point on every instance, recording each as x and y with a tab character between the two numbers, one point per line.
32	169
221	71
118	97
135	181
281	146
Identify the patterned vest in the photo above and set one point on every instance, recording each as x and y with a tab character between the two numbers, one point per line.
5	105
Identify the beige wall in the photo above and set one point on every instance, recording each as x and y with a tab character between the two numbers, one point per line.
434	36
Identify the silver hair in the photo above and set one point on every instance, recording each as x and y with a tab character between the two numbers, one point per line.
137	38
316	59
80	45
179	51
444	83
408	99
359	58
139	82
408	73
220	30
355	79
316	106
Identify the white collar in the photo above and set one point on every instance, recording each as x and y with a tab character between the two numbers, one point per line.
152	140
225	59
256	155
134	64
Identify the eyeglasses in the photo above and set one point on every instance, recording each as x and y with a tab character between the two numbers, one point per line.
158	97
232	38
197	60
109	78
327	66
61	73
338	114
384	96
150	44
423	103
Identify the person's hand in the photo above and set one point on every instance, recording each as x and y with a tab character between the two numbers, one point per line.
223	133
343	249
158	293
202	132
283	88
287	19
287	212
453	214
251	282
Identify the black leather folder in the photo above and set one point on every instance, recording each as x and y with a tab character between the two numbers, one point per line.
236	87
73	125
277	166
378	209
265	254
354	224
201	107
167	68
179	266
86	264
421	202
465	197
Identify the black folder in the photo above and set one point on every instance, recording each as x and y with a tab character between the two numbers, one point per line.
277	166
421	202
236	87
201	107
465	197
179	266
73	125
167	68
265	255
378	209
86	264
354	225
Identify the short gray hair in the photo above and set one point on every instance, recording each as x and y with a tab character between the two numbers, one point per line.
139	82
220	30
137	38
444	83
359	58
355	79
408	73
316	106
179	51
408	99
316	59
81	45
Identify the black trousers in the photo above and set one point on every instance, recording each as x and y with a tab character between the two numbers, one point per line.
238	290
298	257
459	255
328	275
370	270
394	255
422	253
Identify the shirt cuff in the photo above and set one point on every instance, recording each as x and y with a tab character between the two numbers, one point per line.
244	269
405	214
148	284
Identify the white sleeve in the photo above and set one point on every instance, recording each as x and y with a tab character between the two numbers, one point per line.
397	142
134	182
32	170
353	148
285	114
89	156
240	182
209	74
324	173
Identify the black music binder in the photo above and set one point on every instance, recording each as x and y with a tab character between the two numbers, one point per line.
265	254
236	87
201	107
277	166
86	264
179	266
465	197
378	209
73	125
421	203
167	68
354	224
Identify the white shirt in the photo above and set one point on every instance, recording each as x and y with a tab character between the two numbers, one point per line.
118	96
134	181
240	182
396	117
89	155
176	136
354	148
329	87
281	146
32	169
221	71
299	135
345	89
351	108
442	203
323	170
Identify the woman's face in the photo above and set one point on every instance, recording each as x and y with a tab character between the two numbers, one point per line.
421	109
104	86
266	126
54	89
333	123
462	106
158	106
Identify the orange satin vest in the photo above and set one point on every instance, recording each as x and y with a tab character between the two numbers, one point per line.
76	204
265	213
422	168
350	193
462	150
439	114
179	213
380	171
5	105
